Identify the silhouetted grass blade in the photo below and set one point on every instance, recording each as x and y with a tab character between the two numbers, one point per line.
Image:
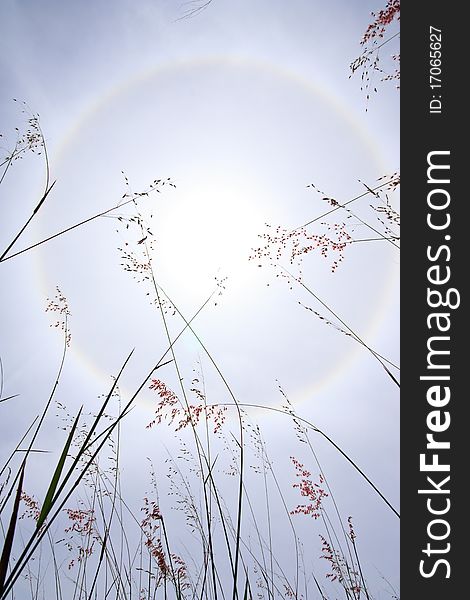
48	501
7	546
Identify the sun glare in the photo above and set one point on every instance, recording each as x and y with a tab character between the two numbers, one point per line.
207	232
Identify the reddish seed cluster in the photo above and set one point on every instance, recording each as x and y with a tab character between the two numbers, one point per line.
294	244
83	523
151	511
151	528
341	571
169	402
170	408
383	18
151	524
156	550
60	305
82	520
332	557
32	508
194	412
313	491
181	572
372	40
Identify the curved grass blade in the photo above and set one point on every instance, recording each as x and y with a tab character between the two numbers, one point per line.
9	398
48	501
7	546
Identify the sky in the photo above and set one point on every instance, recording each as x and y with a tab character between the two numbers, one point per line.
242	106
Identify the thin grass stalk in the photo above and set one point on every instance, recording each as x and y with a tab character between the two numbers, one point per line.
208	479
268	512
100	563
107	550
58	590
375	354
291	523
258	534
364	586
72	227
158	365
222	519
24	227
240	490
350	570
341	576
325	479
89	436
333	500
380	234
9	161
18	445
44	412
327	438
279	591
378	187
263	565
199	448
107	526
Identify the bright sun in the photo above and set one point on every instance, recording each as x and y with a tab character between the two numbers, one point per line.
207	231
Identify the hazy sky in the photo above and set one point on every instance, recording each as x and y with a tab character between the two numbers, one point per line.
242	106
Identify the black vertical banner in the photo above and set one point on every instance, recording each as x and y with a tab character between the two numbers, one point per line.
433	302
